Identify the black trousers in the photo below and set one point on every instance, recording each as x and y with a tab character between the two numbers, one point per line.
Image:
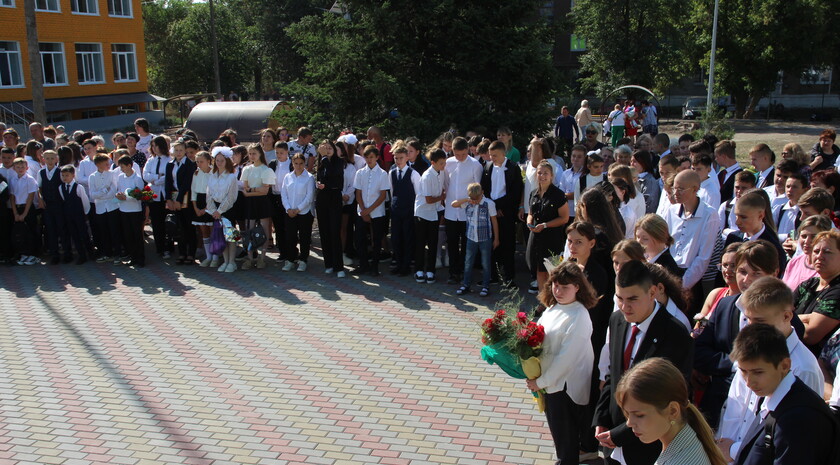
188	242
298	232
328	207
55	231
503	255
369	234
402	240
157	214
456	244
32	245
562	415
76	231
278	222
131	224
6	220
110	242
427	241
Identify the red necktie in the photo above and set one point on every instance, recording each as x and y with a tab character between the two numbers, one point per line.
722	176
628	351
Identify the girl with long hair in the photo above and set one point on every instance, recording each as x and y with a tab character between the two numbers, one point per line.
329	182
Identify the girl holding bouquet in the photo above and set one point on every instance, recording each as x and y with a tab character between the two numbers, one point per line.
222	192
567	357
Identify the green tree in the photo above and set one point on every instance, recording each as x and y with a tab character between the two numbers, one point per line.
436	63
758	39
639	42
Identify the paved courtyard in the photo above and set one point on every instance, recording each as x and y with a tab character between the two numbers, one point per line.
185	365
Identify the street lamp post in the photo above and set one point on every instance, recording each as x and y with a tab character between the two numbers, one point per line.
712	60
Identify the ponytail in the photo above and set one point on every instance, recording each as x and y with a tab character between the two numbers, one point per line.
704	433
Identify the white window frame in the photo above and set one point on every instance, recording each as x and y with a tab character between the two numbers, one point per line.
12	54
131	60
130	5
101	62
61	61
88	3
57	6
11	3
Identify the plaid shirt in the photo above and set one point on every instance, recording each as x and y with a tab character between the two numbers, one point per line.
479	225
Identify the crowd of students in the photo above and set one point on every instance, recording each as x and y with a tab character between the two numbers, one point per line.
671	251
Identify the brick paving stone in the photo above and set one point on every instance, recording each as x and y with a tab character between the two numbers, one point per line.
183	365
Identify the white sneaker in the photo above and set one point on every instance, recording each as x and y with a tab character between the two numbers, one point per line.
347	260
32	260
328	271
223	268
420	277
340	274
23	259
230	268
301	266
205	263
214	263
288	266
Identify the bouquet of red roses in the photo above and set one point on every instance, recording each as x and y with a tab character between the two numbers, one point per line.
513	344
146	194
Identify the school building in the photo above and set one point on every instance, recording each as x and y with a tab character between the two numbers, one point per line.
92	56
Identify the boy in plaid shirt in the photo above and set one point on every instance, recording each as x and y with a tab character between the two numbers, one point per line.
482	236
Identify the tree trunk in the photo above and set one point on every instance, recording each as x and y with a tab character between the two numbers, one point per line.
36	75
754	98
741	99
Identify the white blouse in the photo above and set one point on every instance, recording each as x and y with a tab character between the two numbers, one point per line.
567	351
130	205
258	176
349	178
221	192
199	183
298	192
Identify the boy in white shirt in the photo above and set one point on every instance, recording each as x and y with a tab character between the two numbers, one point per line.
709	191
371	184
427	208
103	190
24	188
131	212
49	180
786	214
482	236
75	206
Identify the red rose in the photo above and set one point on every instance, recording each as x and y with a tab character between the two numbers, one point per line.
154	196
500	314
522	317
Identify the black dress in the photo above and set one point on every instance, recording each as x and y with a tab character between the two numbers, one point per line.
550	241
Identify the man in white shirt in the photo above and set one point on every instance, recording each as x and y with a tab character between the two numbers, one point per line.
709	189
427	209
461	171
786	215
725	158
372	185
767	301
776	191
762	159
303	145
694	225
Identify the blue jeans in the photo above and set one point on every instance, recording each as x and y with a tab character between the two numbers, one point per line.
486	249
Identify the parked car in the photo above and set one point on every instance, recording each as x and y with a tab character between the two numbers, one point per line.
694	107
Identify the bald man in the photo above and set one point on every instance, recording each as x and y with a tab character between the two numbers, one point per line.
695	226
386	158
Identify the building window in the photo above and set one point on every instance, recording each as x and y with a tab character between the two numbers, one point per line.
89	64
119	8
578	43
127	109
11	74
58	117
85	7
47	5
52	64
125	62
7	3
98	113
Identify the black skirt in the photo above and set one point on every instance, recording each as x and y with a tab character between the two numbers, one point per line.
237	211
257	208
205	219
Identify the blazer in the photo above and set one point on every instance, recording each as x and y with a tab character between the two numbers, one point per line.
769	180
184	178
666	337
805	433
727	189
508	203
768	236
420	164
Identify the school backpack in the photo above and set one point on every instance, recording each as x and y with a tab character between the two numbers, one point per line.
173	229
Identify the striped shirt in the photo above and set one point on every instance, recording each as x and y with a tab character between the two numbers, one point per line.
685	449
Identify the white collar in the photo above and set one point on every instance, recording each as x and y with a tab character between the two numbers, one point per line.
772	401
656	257
764	173
644	325
732	167
755	236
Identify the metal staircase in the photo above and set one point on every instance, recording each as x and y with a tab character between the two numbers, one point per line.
15	114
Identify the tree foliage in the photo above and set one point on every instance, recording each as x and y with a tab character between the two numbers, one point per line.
640	42
434	63
758	39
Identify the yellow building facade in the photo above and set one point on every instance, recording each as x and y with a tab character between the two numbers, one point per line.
92	56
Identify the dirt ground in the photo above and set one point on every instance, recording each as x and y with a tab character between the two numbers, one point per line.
776	134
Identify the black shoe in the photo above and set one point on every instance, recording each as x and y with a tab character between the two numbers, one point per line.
373	273
55	261
454	279
494	280
136	264
67	259
463	290
360	270
81	261
395	271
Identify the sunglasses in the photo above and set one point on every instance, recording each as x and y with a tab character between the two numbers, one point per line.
592	132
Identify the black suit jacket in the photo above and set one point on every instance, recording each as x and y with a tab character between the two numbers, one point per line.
184	177
769	180
768	236
806	433
420	164
667	261
508	203
727	190
666	337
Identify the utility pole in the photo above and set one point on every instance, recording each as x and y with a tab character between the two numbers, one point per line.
712	60
215	51
36	74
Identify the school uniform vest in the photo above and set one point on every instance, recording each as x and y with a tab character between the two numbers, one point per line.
49	189
72	203
403	195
